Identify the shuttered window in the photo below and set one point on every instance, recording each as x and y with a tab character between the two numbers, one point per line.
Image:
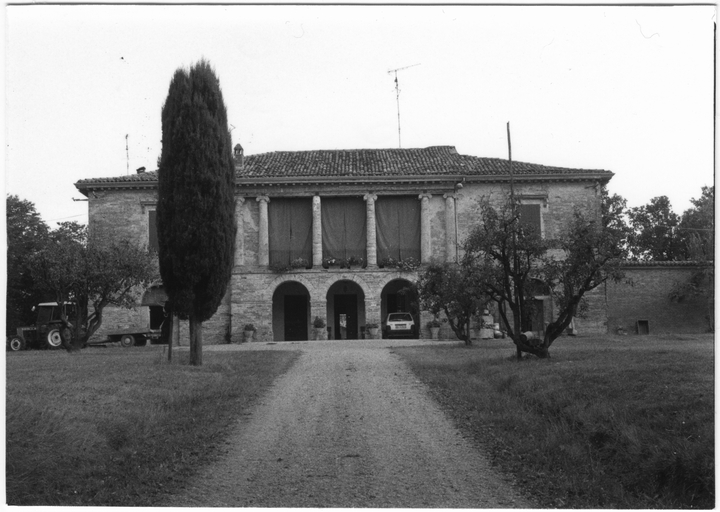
530	217
152	231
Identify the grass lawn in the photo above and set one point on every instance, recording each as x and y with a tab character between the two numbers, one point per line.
121	427
607	422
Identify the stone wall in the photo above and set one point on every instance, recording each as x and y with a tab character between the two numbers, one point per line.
648	298
253	291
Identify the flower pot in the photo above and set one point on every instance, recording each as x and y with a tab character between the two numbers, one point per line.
435	333
248	335
373	332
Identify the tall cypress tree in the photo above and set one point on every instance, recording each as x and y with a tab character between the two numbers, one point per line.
196	201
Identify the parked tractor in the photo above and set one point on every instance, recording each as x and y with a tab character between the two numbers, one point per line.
46	331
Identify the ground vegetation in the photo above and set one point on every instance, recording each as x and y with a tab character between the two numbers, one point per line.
122	427
609	423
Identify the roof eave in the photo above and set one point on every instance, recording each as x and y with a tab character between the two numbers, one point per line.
86	186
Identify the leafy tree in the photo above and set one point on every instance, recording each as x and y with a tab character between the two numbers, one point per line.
26	234
511	259
454	290
92	274
697	230
697	227
508	254
655	232
196	202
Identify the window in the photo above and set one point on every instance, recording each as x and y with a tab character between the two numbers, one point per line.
398	228
152	231
530	217
290	226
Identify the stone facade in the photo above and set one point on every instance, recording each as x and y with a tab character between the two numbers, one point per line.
446	185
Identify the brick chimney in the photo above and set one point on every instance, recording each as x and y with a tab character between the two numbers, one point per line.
141	170
238	153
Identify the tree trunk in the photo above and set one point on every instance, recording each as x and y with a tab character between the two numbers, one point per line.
195	341
517	332
170	320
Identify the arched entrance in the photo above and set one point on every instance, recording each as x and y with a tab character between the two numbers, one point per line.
398	297
155	298
291	312
346	310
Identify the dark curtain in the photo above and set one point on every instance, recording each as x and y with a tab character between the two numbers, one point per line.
290	226
344	227
398	228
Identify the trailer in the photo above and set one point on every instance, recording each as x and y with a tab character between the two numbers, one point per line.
132	337
154	299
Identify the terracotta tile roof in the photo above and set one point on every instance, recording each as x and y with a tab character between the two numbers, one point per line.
358	163
432	161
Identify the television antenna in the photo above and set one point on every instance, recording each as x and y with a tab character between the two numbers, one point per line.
397	94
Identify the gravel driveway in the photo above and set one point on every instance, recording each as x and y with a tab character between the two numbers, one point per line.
348	426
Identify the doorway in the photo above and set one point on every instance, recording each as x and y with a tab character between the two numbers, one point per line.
346	310
291	312
346	318
296	318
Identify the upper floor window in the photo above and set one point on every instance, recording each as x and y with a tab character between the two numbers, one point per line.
530	217
152	231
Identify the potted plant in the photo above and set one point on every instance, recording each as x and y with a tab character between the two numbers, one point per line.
299	263
249	332
319	330
434	327
372	329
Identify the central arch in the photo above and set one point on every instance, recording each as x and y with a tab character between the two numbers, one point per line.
291	312
346	310
398	296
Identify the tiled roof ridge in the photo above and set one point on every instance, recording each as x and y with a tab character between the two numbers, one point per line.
372	163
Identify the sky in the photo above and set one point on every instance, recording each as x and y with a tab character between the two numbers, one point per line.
623	88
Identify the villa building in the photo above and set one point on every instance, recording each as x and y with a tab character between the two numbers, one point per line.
339	234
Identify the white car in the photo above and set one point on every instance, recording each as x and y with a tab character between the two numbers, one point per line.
399	324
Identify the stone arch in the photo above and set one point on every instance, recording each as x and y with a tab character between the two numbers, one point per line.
291	311
392	276
275	283
346	309
393	299
346	276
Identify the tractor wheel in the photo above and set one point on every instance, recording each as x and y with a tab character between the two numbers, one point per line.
16	344
127	340
53	339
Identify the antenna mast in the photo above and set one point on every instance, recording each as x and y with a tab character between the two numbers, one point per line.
127	155
397	94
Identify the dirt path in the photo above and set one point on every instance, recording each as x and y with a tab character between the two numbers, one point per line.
349	426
